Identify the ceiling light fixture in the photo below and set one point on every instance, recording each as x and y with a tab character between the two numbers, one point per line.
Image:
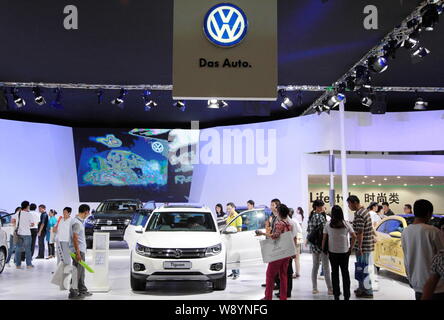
180	105
19	102
216	104
149	104
38	98
421	52
120	100
286	101
378	64
420	104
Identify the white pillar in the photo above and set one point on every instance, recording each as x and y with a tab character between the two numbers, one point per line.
331	162
344	161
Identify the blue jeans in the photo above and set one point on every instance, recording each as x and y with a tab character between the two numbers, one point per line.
365	285
23	245
11	248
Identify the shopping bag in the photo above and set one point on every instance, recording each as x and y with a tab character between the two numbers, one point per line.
281	248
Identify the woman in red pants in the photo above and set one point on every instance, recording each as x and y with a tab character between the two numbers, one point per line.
280	266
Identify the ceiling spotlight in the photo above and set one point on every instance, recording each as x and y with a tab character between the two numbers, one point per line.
149	104
430	16
410	43
180	105
321	108
39	99
373	181
398	177
19	102
365	177
286	101
367	101
420	104
421	52
354	184
431	185
432	177
385	179
379	184
216	104
363	182
99	94
378	64
405	184
335	100
57	102
121	98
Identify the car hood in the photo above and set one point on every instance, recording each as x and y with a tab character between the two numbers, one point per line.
113	215
180	240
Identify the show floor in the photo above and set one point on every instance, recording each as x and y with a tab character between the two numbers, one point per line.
34	284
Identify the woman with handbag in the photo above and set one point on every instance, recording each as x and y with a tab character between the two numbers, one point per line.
279	266
336	235
316	224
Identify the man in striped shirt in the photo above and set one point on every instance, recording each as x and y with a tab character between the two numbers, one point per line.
365	245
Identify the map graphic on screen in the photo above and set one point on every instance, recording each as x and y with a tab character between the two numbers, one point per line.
133	163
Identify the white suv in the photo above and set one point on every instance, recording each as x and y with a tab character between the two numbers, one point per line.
179	242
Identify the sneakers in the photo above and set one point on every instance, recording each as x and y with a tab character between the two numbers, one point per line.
315	291
30	267
231	275
278	295
330	292
235	277
75	296
18	267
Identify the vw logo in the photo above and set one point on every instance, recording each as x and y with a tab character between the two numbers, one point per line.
157	147
178	253
225	25
109	222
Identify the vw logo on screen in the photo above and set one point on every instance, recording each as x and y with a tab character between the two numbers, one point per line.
225	25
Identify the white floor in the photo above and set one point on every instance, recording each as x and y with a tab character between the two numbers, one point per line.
34	284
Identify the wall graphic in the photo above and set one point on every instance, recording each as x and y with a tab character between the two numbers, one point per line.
133	163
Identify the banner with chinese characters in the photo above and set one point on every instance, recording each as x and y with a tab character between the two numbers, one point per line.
396	196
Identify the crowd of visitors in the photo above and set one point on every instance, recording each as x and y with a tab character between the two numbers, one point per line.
65	233
331	239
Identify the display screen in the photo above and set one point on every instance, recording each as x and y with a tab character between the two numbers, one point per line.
145	164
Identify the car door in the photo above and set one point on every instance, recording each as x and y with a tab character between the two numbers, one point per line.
388	253
243	246
131	236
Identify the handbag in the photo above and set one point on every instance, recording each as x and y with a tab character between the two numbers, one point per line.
315	236
16	238
283	247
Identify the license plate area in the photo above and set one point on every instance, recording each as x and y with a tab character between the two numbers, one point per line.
177	265
111	228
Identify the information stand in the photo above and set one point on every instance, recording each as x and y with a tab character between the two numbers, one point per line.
100	264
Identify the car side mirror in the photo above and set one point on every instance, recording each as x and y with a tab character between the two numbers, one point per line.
230	230
139	229
395	234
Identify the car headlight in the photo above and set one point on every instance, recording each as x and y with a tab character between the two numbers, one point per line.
127	221
143	251
214	250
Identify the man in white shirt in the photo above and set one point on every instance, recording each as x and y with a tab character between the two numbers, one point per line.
62	231
34	228
22	222
420	243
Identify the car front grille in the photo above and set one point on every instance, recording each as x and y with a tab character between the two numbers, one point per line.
178	253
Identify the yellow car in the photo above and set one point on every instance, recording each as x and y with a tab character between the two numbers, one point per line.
388	250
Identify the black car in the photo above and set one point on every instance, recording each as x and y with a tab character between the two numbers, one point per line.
112	216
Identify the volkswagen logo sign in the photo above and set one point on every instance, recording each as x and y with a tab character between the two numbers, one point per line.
178	253
225	25
109	222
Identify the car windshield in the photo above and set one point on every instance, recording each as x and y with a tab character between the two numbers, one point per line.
181	221
119	206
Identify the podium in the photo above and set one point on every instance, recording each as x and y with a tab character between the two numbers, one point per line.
100	263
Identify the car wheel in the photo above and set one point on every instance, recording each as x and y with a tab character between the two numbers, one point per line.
89	244
137	285
2	259
220	284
